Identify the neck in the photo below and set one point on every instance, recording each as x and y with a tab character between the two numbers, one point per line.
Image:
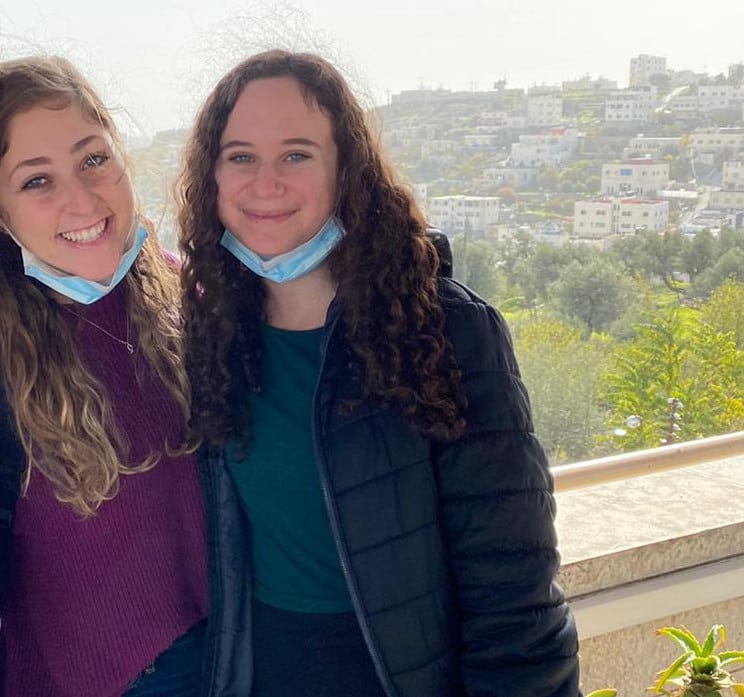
300	304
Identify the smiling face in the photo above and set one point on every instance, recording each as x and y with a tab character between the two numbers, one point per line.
276	172
64	192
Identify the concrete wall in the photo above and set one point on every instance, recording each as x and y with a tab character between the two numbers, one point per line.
658	550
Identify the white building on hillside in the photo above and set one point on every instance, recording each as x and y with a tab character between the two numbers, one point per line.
450	213
618	216
587	84
732	193
546	149
643	177
733	175
726	199
434	148
512	177
684	105
714	97
717	140
707	98
632	105
482	140
650	145
544	110
643	66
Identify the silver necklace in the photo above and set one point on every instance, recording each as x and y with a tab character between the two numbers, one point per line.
123	342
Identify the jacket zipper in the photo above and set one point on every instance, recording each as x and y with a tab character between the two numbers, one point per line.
380	668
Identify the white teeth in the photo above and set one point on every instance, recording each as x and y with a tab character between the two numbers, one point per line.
87	235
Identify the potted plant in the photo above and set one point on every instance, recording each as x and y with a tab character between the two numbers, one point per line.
697	671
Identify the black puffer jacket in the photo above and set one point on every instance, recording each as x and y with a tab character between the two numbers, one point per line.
449	550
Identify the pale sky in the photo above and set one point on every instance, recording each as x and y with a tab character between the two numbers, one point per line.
158	58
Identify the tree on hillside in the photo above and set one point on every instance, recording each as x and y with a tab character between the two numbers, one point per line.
730	266
593	293
698	253
510	252
535	274
547	179
713	380
662	81
673	355
560	370
475	266
506	194
729	239
654	255
644	372
724	310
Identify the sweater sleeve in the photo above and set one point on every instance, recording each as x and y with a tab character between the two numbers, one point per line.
518	636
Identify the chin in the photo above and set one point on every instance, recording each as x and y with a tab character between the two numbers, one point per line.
98	273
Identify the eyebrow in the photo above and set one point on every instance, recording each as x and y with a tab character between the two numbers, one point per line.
289	141
36	161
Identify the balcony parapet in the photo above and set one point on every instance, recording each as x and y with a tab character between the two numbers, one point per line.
640	552
633	464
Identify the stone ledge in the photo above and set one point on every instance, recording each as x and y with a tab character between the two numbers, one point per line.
620	532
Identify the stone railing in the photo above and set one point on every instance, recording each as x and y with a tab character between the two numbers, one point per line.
641	552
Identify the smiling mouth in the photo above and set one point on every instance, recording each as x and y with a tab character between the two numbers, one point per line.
85	235
268	215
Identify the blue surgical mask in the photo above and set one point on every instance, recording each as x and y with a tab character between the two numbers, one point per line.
290	265
78	289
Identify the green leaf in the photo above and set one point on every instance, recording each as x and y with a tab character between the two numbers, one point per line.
606	692
710	641
671	670
683	637
731	657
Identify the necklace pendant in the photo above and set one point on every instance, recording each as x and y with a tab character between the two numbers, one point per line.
130	348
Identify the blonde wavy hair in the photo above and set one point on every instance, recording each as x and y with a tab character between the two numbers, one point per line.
63	417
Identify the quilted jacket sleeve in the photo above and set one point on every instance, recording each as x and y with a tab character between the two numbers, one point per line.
518	636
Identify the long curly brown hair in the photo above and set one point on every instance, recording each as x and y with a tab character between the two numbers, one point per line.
62	414
385	268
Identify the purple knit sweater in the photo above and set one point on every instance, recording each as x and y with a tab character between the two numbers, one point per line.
95	601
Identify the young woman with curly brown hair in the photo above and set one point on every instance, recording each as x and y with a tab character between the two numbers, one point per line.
380	515
102	557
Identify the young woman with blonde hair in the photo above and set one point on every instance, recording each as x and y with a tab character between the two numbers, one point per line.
102	583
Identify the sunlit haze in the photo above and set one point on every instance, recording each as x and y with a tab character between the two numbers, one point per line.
157	58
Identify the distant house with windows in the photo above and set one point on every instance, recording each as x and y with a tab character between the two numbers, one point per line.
453	214
632	105
544	110
643	66
554	149
716	140
642	177
601	218
731	195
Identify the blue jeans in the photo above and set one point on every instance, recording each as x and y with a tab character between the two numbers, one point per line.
176	672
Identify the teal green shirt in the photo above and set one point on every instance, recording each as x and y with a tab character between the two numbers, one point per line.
295	562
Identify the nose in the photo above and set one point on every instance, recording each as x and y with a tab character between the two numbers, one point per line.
80	197
267	182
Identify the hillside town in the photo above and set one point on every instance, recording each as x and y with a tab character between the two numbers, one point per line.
662	154
585	161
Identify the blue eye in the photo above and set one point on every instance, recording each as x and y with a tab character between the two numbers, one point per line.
95	159
297	157
36	182
241	158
